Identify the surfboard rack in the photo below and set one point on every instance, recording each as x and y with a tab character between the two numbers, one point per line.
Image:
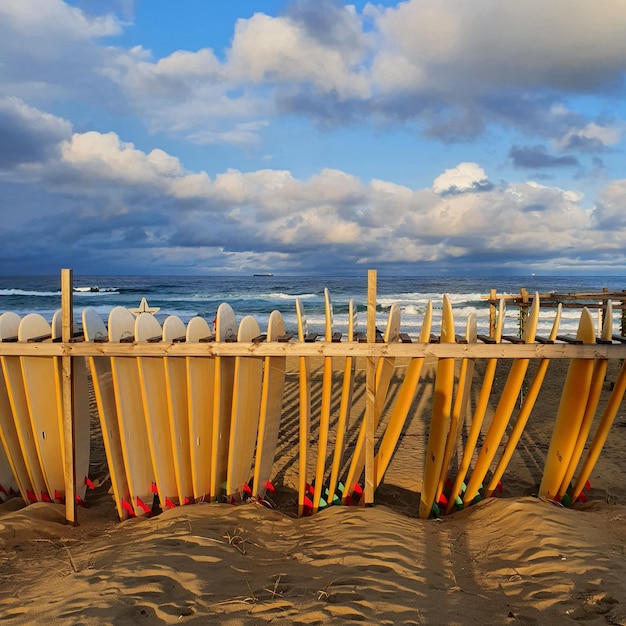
486	339
209	339
260	338
512	339
40	339
544	340
285	338
569	339
404	338
336	337
310	337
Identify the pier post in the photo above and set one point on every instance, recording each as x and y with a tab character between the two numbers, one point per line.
69	440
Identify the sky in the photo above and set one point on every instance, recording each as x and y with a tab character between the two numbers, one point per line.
313	137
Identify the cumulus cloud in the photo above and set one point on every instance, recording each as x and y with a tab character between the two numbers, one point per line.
465	177
127	203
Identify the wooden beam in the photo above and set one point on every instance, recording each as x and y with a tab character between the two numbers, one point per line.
320	349
370	390
68	436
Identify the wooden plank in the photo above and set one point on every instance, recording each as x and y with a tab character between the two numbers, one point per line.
69	438
321	348
370	390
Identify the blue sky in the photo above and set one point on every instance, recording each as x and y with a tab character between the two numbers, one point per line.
301	137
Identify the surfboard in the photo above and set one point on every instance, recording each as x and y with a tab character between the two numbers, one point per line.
44	406
200	400
82	426
384	372
595	390
601	434
8	483
441	414
570	414
246	407
405	398
176	391
478	417
102	380
459	408
14	475
304	504
271	408
16	396
225	330
525	411
503	411
345	406
327	387
130	415
155	407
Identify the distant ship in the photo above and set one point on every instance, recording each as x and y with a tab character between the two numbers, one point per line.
267	274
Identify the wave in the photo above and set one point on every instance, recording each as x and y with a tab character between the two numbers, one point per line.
23	292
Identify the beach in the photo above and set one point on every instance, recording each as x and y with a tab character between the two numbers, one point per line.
514	559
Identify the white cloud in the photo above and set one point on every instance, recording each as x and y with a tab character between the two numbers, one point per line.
269	49
107	158
463	177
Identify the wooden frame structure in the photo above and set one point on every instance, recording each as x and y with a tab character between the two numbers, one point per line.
71	347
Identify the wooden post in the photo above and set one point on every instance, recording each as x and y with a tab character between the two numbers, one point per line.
492	313
523	310
67	317
370	390
603	311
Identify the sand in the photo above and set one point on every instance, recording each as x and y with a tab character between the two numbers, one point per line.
514	559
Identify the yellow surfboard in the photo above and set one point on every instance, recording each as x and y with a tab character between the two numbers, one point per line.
102	380
441	414
271	409
570	414
246	407
305	413
405	398
345	407
524	413
200	401
384	372
327	386
15	473
504	410
601	434
459	408
478	417
8	483
225	330
155	410
82	425
131	420
178	409
14	380
595	390
40	383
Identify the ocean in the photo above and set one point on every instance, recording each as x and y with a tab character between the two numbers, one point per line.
188	296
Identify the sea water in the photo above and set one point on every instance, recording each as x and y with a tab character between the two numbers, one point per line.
188	296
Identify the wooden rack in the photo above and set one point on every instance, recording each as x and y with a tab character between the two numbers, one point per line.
72	347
